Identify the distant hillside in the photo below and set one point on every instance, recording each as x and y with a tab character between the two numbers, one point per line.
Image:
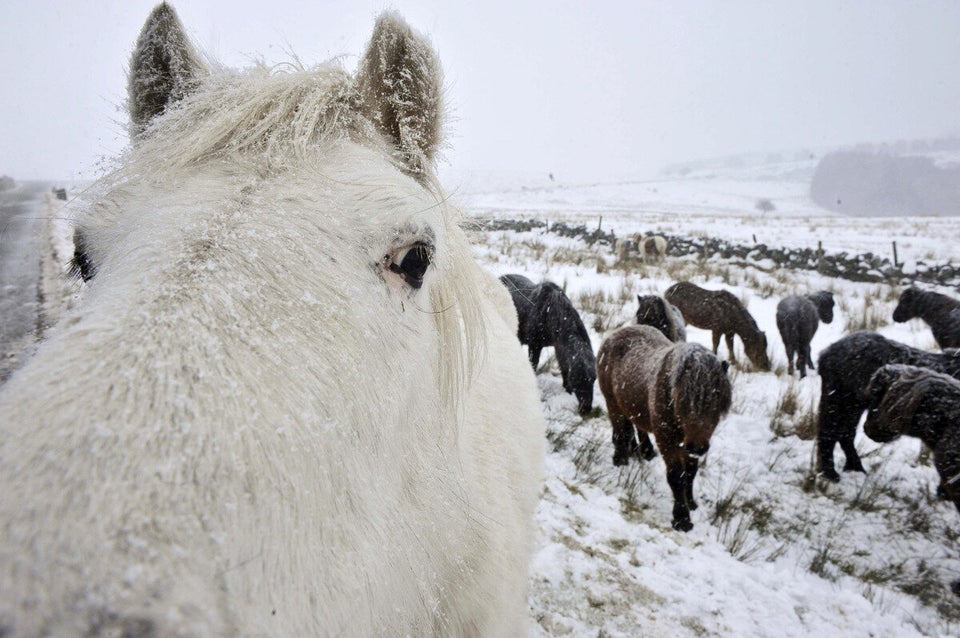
878	184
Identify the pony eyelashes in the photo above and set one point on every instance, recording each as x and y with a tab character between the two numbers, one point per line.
411	262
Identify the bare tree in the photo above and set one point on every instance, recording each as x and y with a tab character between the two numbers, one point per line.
765	205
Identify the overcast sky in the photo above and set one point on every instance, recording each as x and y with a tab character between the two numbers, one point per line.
582	89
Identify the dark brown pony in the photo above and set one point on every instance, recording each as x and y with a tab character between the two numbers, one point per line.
677	392
722	313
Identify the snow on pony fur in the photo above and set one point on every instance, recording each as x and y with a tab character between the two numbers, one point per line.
290	402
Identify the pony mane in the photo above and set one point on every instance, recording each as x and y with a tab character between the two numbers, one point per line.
268	116
554	301
699	382
458	314
909	391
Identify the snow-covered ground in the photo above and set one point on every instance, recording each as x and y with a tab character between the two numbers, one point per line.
774	552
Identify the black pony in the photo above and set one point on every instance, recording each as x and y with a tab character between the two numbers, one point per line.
922	403
846	367
925	404
942	314
797	321
547	318
655	311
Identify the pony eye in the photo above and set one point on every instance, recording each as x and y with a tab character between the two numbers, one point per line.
413	263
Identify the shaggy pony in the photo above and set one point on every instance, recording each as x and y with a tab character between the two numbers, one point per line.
940	312
797	320
724	315
922	403
546	317
290	403
651	247
846	367
678	392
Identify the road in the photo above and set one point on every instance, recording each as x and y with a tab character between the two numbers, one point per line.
22	213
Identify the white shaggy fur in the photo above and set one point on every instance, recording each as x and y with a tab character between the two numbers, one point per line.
651	247
251	426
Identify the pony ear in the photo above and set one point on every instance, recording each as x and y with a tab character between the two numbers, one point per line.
164	68
399	87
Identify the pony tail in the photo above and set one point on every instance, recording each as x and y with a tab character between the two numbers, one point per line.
700	386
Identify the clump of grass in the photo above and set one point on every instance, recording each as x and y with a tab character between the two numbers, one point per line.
562	438
735	534
741	524
872	314
765	286
793	416
871	492
588	458
631	479
925	584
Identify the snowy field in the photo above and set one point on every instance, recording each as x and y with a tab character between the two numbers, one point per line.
774	551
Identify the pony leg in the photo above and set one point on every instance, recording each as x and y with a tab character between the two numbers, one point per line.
825	466
810	358
566	382
837	422
647	451
853	463
802	358
729	339
690	467
624	439
716	342
790	354
676	477
534	354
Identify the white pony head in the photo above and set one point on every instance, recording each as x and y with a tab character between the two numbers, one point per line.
290	402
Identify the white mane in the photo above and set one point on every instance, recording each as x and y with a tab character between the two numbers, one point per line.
271	117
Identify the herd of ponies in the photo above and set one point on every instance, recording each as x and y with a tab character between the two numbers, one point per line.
291	403
656	384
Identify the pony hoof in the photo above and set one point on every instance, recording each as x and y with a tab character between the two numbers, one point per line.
683	526
854	468
830	475
648	455
620	459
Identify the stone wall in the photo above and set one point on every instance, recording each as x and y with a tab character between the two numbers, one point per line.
866	267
